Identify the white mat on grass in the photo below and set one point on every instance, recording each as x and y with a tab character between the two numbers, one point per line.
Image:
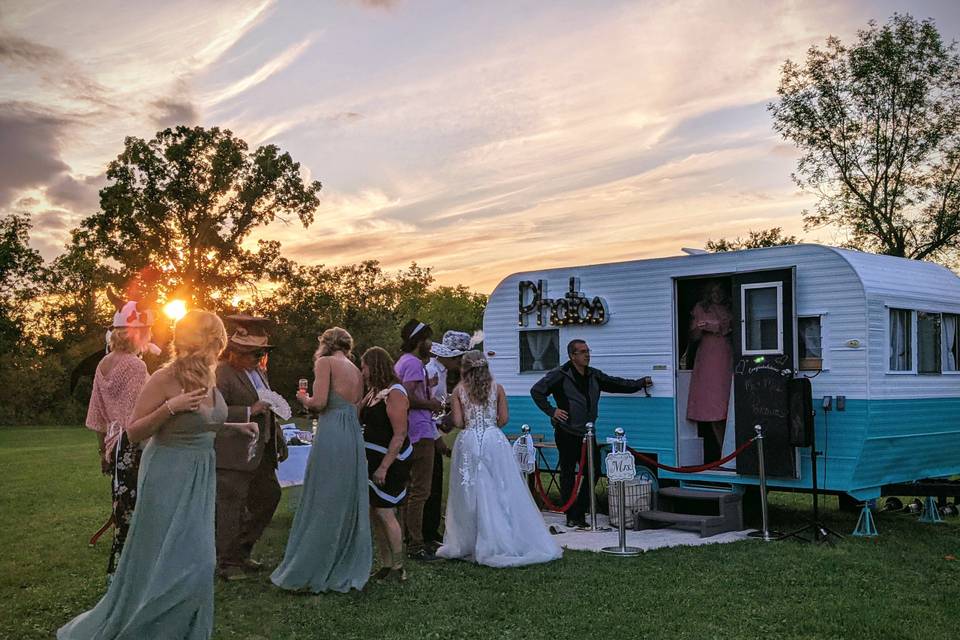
646	539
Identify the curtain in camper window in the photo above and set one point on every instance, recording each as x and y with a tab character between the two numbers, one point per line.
928	342
539	350
950	346
810	340
901	356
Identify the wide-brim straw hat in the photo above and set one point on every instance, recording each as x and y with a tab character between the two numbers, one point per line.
454	343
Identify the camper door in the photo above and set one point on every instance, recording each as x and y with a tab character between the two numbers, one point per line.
763	350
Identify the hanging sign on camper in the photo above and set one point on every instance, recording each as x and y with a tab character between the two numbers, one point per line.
573	308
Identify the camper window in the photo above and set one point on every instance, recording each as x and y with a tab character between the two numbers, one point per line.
951	343
928	342
810	343
901	340
761	310
539	350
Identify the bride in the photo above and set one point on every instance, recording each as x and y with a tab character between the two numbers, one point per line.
491	516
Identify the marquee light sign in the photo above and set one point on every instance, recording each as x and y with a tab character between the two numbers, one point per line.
573	308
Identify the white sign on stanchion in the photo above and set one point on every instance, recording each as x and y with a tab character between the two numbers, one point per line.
620	468
524	452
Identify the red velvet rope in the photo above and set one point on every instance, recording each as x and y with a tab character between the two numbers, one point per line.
576	484
698	468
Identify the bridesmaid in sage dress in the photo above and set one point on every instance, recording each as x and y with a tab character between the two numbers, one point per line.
330	546
163	586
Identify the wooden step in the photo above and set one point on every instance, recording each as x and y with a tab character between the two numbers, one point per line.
729	518
704	525
679	519
698	494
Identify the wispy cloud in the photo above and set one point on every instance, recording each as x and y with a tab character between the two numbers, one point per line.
265	72
480	141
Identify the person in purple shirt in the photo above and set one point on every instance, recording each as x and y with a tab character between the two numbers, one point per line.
410	370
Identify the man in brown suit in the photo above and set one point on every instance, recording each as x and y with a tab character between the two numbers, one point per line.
247	487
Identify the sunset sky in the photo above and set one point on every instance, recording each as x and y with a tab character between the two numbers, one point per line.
478	138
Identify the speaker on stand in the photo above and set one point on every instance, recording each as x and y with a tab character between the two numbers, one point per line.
803	434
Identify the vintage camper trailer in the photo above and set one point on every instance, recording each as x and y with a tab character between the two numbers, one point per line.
876	335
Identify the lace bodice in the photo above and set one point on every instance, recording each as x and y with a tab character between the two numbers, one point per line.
479	417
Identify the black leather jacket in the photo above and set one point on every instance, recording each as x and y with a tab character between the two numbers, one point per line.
580	408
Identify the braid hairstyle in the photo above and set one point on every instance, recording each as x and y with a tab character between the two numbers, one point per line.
475	377
198	340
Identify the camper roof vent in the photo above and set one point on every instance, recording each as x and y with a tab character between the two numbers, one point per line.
694	252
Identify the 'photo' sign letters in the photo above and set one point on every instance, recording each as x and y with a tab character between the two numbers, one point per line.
573	308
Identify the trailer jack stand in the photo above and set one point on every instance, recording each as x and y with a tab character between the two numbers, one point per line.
931	513
866	527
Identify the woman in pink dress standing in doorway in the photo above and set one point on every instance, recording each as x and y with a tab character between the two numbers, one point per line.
712	369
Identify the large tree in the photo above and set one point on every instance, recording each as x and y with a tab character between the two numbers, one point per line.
877	124
187	200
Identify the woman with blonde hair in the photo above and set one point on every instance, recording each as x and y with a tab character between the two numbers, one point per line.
330	547
491	516
163	586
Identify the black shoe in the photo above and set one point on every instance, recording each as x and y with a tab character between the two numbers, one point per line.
432	545
381	574
422	556
396	574
577	524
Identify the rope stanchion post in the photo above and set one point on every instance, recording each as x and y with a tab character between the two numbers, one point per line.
763	485
620	447
766	535
591	441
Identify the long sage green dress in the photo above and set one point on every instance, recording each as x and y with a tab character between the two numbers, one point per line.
163	586
330	548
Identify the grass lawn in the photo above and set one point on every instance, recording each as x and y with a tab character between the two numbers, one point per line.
904	584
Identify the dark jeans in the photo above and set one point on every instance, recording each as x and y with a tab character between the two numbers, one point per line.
568	448
246	501
433	509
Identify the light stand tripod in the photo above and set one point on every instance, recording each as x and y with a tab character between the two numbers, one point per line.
820	532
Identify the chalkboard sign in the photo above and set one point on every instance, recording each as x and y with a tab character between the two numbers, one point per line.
762	396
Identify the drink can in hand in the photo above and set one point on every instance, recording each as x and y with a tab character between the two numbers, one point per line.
302	384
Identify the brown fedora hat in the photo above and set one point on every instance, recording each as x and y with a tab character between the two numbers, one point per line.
243	340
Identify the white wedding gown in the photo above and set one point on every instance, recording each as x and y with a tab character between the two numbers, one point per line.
491	516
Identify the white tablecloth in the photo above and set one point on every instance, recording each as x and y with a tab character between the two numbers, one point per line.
291	471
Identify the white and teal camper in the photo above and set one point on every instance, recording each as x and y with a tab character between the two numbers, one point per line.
876	335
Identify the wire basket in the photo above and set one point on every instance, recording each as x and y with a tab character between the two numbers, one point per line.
638	496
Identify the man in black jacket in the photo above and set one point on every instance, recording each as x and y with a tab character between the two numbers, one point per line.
576	387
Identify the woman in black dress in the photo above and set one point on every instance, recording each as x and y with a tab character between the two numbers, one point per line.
383	414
